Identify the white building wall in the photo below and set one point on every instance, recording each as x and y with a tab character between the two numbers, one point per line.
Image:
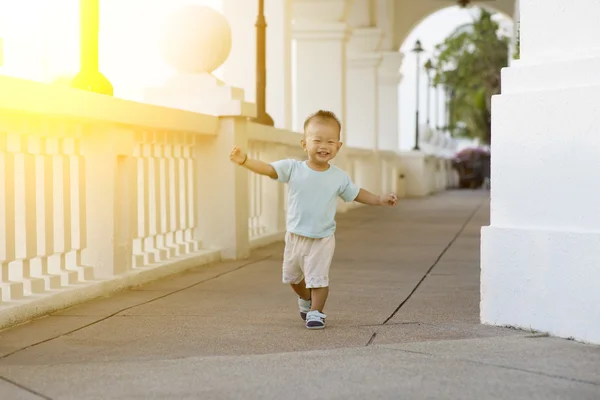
540	255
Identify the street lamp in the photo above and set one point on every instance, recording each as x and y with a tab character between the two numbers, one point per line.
261	67
451	105
443	106
418	49
437	107
89	77
429	69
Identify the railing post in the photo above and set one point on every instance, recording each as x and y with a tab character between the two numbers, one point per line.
222	190
385	184
347	164
110	195
273	197
377	174
368	172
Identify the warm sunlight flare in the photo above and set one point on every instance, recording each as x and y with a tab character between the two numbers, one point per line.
40	38
41	41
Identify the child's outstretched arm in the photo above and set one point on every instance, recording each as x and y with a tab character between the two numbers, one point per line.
366	197
257	166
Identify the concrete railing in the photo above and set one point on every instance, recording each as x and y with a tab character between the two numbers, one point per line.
94	188
430	170
99	193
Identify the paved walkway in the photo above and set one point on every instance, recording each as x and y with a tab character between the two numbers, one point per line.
402	324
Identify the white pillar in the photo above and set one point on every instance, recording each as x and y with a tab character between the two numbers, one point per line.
362	88
389	80
279	62
319	53
240	68
540	259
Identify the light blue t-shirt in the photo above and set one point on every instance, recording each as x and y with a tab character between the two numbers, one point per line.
312	196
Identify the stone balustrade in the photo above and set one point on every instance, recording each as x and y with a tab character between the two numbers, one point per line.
99	193
97	189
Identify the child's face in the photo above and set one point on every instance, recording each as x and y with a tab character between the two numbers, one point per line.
321	141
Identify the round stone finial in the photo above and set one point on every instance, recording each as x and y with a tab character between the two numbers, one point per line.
197	39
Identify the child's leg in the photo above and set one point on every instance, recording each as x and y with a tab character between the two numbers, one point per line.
292	272
319	297
316	271
304	301
301	290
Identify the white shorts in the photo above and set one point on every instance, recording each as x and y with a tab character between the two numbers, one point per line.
309	259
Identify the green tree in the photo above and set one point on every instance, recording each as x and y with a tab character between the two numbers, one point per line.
468	63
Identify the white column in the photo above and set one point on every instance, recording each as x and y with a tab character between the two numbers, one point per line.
279	62
319	54
240	68
389	80
362	88
540	259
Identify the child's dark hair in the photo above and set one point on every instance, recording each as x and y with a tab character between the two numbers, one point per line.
323	116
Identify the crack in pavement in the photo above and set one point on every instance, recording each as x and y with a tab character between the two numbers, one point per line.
401	323
373	336
490	364
11	382
428	272
130	307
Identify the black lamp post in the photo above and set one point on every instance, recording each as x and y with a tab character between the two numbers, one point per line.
437	107
452	96
89	77
429	69
446	108
261	67
418	49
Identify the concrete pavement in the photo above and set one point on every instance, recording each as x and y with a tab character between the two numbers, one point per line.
402	323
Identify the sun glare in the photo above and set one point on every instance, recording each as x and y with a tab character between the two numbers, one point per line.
40	41
40	38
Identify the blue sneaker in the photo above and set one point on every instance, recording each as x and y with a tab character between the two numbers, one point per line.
304	306
315	320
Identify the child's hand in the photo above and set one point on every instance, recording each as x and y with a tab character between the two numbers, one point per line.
389	199
237	156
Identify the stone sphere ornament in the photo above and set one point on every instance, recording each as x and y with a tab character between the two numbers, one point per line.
197	39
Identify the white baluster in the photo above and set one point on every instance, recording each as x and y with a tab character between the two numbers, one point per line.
11	290
190	184
158	162
25	211
45	166
78	211
62	212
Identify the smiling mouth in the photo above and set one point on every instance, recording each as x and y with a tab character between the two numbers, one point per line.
323	153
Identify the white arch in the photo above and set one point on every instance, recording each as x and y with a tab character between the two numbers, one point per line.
409	13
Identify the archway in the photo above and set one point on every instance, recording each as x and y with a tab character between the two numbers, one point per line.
430	30
408	14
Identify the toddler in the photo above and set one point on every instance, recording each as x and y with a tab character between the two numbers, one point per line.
313	188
